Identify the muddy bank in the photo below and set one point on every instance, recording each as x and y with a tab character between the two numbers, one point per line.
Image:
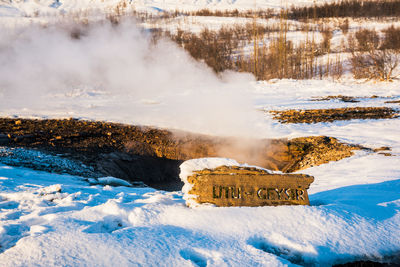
336	114
153	156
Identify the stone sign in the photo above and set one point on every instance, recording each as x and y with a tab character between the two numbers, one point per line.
239	186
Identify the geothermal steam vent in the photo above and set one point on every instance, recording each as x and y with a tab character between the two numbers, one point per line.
236	185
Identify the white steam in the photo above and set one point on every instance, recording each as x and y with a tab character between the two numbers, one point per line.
115	73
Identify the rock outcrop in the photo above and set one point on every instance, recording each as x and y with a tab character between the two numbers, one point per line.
153	156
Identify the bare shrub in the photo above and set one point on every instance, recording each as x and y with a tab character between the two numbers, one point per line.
367	39
375	64
391	38
214	48
280	58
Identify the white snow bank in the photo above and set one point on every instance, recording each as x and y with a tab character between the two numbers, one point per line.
93	226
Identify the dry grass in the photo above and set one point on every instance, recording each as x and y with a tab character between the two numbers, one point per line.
265	51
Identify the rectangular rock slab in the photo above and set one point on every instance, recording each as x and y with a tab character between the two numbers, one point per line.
239	186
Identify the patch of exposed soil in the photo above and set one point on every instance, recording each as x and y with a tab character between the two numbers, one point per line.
153	155
330	115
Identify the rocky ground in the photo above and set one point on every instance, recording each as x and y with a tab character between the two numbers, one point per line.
151	155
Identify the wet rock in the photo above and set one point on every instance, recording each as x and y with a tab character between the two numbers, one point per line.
4	139
155	172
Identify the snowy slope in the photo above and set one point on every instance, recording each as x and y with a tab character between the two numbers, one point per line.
32	7
50	219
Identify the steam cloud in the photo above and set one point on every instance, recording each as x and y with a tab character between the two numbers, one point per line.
116	73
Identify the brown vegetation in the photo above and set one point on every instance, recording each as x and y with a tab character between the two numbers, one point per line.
280	58
273	55
348	8
339	9
265	14
374	57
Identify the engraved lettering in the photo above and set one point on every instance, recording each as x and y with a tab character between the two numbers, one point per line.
287	190
259	191
215	195
236	193
299	194
226	192
279	192
242	186
268	193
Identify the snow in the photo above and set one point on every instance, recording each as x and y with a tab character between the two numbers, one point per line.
33	7
109	180
50	219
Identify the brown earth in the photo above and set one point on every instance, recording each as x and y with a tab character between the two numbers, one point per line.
153	155
330	115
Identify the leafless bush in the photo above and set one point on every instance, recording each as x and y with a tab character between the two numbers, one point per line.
280	58
214	48
392	38
367	39
375	64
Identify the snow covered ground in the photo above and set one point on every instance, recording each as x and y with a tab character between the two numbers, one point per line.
50	219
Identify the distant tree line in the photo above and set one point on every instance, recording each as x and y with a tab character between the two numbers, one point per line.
348	8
